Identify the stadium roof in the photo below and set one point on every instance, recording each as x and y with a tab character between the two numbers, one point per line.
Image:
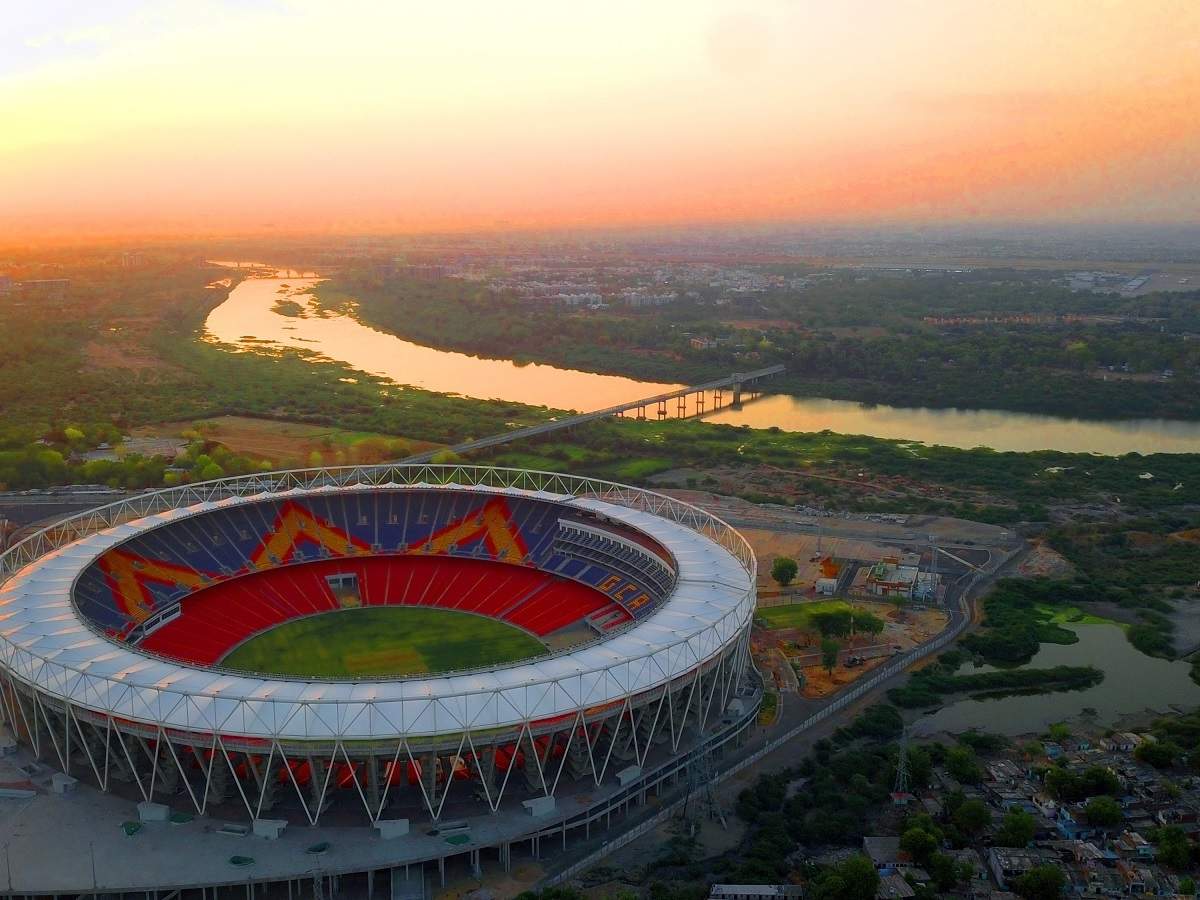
45	641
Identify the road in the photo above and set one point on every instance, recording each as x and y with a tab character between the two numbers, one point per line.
790	739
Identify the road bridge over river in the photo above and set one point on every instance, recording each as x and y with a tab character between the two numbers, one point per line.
735	384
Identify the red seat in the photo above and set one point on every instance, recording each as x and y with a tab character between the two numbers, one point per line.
216	619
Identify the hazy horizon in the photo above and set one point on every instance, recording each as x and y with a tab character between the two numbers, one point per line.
138	119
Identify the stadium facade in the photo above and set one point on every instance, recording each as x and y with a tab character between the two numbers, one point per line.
118	623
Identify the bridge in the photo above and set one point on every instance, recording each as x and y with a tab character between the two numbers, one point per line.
735	384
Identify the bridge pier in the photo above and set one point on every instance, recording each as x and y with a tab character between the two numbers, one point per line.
737	395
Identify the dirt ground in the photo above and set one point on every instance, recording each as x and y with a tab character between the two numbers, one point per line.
803	549
1044	561
495	882
902	628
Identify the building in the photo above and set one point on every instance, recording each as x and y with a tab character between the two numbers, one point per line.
888	578
1009	863
175	757
54	289
897	577
637	300
754	891
133	259
6	284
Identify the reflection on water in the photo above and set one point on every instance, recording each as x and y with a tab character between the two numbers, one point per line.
1133	683
968	428
256	317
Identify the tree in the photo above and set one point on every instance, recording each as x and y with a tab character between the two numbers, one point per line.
1059	732
919	844
829	654
1041	883
1174	850
1017	829
211	472
1104	812
854	878
1160	754
833	623
942	869
784	570
972	817
962	764
866	622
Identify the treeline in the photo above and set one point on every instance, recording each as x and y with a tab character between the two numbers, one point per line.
1051	369
124	349
930	686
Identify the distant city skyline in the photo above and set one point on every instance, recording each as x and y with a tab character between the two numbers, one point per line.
212	116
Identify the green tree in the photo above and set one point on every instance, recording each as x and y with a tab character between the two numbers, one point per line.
1174	851
1041	883
210	472
942	869
784	570
1104	812
972	817
1160	754
1059	732
829	654
854	878
867	623
919	844
962	764
1017	829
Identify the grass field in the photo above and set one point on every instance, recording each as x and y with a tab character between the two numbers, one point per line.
797	615
383	640
1073	615
292	443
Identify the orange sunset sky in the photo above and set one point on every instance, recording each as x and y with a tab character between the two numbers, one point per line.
120	115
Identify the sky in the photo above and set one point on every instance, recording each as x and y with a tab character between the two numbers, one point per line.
173	116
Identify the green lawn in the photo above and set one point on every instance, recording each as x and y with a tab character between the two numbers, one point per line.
796	615
1072	615
383	640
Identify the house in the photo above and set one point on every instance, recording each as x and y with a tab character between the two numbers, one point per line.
754	891
1130	844
893	887
884	851
1009	863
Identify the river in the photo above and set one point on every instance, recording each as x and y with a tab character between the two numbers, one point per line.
253	318
1133	684
968	428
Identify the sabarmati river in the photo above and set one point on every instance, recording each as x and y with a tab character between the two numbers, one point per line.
252	318
968	428
264	313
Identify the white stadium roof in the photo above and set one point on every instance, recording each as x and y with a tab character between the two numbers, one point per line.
45	641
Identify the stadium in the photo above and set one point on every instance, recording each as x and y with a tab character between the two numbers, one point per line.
423	661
